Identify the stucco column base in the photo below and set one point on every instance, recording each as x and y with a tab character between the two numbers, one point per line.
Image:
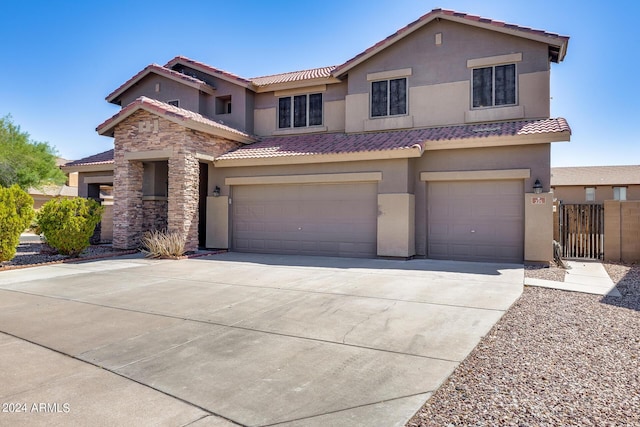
218	222
538	228
396	225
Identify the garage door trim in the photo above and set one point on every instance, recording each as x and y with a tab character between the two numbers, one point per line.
326	178
476	175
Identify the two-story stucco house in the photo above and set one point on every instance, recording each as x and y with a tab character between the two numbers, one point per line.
428	143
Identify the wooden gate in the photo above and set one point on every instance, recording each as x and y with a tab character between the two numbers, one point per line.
582	231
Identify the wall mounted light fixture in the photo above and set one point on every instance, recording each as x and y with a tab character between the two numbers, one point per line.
537	187
216	191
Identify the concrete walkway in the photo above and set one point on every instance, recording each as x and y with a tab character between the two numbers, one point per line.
240	339
582	276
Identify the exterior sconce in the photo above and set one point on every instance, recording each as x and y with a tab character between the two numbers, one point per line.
216	191
537	187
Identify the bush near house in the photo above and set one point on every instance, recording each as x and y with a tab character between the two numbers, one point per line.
16	213
67	224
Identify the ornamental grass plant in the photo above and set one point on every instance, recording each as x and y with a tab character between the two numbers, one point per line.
162	244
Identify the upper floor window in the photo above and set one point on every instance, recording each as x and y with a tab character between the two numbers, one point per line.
175	102
619	193
223	104
590	194
389	97
300	111
494	86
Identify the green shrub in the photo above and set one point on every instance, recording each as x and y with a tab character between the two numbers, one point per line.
16	213
67	224
162	244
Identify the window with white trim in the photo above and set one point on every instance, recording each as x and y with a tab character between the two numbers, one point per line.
619	193
300	111
174	102
389	97
494	86
590	194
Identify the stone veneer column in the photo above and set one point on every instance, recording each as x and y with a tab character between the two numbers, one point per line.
127	205
183	197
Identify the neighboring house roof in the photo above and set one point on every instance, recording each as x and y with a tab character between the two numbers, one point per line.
95	159
61	162
162	71
175	114
596	175
339	143
201	66
557	43
54	190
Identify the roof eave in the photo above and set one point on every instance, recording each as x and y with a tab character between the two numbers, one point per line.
218	74
299	159
297	84
90	167
499	141
113	97
108	127
561	41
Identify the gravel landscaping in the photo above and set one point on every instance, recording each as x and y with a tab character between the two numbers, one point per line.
556	358
36	253
552	272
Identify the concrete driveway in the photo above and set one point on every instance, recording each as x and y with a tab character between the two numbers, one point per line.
256	340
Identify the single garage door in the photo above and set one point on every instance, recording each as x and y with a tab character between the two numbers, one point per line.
476	220
314	219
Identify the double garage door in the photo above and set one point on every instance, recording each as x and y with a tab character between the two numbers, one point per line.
476	220
470	220
313	219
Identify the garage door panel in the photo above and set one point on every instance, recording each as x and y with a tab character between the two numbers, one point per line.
476	220
319	219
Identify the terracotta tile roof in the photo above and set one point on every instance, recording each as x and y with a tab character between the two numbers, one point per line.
95	159
339	143
158	69
294	76
451	14
185	117
596	175
207	69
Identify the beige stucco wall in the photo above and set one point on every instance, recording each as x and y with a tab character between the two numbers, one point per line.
99	177
622	231
170	90
395	173
538	228
218	222
439	81
396	225
265	114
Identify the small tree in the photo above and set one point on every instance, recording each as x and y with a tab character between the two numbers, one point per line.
67	224
26	162
16	213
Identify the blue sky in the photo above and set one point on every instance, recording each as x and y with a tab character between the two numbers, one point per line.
62	58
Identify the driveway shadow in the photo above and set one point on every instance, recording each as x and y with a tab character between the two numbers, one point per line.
400	265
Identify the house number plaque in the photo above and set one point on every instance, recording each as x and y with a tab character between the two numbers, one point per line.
538	201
